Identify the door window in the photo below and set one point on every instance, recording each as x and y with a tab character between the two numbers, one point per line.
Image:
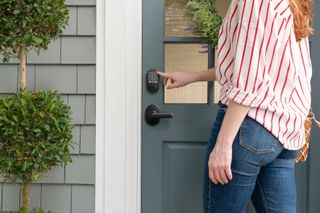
186	58
178	19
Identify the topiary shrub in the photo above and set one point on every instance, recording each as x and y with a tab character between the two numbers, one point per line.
35	128
35	135
29	24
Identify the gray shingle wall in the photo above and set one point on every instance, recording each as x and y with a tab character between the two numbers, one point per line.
68	65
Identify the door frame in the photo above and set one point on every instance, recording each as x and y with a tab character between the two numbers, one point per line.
118	106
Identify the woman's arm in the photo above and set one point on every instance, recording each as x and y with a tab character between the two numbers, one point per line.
233	118
179	79
205	75
220	158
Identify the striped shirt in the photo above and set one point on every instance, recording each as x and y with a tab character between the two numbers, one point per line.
260	64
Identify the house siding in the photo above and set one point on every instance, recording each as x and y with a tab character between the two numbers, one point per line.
68	65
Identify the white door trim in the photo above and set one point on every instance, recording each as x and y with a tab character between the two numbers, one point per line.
118	104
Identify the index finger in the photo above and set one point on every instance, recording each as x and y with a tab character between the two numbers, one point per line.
163	74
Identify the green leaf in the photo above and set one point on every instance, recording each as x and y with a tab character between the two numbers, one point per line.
47	127
23	102
15	118
25	165
37	40
15	12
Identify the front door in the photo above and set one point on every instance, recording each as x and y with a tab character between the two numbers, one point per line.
173	147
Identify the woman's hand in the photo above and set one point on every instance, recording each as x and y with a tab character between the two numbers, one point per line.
221	156
176	79
220	163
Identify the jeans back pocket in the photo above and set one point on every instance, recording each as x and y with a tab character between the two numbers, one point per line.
255	137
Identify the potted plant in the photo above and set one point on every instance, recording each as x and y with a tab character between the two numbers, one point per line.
35	127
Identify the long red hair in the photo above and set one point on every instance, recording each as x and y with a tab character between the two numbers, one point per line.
302	17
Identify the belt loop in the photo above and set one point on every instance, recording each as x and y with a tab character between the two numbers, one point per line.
222	106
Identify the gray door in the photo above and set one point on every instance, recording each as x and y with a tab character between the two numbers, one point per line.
173	150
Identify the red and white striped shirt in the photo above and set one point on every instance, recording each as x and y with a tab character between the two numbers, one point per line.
260	64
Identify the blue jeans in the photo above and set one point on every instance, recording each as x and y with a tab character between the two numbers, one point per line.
261	169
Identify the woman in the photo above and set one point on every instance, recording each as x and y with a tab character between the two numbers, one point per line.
264	67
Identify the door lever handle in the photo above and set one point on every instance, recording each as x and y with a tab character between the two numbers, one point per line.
153	114
156	115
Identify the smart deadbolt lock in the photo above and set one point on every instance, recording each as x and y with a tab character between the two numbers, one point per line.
152	80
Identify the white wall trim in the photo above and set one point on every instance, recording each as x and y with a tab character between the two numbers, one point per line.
118	105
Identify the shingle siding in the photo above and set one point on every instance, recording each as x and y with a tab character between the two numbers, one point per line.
56	175
86	24
81	2
68	65
74	149
56	197
10	197
81	170
8	80
49	56
78	50
86	79
90	109
77	103
82	198
61	77
88	139
71	29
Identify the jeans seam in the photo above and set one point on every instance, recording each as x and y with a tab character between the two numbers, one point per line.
262	195
209	195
